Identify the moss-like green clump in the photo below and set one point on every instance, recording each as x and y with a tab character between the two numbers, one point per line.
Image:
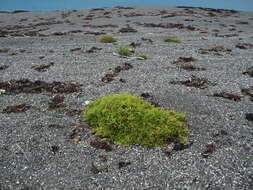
107	39
129	120
172	39
124	51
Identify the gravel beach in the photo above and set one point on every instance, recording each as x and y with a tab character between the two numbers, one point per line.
52	62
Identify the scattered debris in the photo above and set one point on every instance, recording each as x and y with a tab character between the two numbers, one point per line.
2	91
3	67
134	44
95	169
42	67
186	59
122	80
72	112
56	102
27	86
148	40
123	164
75	49
244	46
133	14
249	116
228	96
248	92
124	67
226	35
101	145
210	149
196	82
220	133
93	49
110	76
190	67
16	108
76	134
127	29
218	50
242	22
54	149
4	50
145	95
249	72
57	126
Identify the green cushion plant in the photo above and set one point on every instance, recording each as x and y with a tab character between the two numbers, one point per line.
124	51
172	39
129	120
107	39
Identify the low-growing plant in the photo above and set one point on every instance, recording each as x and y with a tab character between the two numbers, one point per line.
107	39
124	51
143	56
129	120
172	39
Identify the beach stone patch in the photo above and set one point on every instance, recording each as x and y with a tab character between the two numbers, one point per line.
244	46
218	50
195	82
16	108
42	67
27	86
228	96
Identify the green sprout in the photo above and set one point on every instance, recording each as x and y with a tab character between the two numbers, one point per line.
124	51
129	120
108	39
172	39
143	56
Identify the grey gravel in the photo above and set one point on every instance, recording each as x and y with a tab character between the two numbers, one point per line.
35	149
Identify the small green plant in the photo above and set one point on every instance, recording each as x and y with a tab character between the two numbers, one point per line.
124	51
108	39
143	56
129	120
172	39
